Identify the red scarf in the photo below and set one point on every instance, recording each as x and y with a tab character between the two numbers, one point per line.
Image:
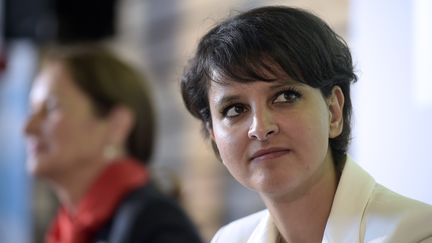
98	204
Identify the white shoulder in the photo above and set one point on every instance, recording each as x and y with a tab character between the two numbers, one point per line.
404	219
391	204
239	230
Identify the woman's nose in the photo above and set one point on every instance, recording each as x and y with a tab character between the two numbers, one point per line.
263	126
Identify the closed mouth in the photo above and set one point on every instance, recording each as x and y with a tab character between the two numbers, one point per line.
35	147
270	153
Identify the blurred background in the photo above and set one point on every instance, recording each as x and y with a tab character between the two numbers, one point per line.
391	45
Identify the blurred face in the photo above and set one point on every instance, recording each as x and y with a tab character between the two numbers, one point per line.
63	133
274	136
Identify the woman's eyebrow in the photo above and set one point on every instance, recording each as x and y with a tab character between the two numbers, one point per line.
220	101
224	99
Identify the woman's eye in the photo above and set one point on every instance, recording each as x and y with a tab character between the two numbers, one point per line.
288	96
233	111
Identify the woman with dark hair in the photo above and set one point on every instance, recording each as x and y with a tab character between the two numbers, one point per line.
90	136
272	89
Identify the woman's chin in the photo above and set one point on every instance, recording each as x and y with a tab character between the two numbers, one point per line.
275	187
36	167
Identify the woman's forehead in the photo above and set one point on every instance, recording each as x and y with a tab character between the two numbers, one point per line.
231	86
52	79
262	70
275	80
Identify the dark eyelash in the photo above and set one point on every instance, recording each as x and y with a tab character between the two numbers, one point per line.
228	107
289	89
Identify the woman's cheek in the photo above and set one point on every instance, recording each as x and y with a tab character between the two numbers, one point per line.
228	143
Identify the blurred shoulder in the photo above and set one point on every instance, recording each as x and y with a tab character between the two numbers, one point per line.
146	215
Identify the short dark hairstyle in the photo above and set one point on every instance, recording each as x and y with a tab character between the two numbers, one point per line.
109	81
294	40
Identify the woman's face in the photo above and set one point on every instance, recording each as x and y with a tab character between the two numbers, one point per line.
274	136
64	135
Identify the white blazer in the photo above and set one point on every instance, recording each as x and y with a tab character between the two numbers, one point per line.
362	211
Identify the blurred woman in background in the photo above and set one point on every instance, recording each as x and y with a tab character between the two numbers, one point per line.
90	136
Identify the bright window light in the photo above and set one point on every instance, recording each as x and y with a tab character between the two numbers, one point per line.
422	63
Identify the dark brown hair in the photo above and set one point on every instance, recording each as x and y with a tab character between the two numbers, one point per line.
267	38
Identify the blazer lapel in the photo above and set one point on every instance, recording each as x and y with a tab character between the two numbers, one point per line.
352	195
265	232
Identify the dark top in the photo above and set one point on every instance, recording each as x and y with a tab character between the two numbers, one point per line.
148	216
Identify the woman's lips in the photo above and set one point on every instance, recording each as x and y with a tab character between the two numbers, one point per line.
35	147
270	153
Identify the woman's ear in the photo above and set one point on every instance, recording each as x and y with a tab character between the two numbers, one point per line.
120	121
209	129
336	103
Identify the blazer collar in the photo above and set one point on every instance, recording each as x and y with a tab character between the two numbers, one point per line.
265	232
344	223
352	195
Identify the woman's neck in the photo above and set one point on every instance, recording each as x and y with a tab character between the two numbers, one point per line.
302	216
70	188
